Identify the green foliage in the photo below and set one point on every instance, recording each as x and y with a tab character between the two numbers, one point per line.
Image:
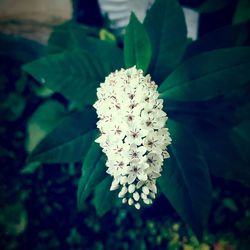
104	199
42	121
208	75
205	86
69	141
222	111
185	179
76	75
14	51
226	151
71	36
20	49
225	37
166	27
93	172
242	13
213	5
137	48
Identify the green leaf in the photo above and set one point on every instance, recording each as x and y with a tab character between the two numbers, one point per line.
241	138
208	75
69	36
93	172
242	13
213	5
45	118
137	48
72	36
104	199
76	75
225	37
226	151
30	168
165	24
69	141
224	111
185	179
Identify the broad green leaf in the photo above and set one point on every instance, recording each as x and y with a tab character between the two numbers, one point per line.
69	141
74	37
137	48
93	172
76	75
208	75
225	37
104	199
224	111
167	31
226	151
185	179
216	111
242	13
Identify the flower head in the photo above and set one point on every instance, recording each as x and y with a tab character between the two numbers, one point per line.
133	133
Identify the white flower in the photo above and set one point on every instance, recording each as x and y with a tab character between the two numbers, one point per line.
135	152
154	161
117	149
117	166
149	123
118	131
152	141
137	170
133	136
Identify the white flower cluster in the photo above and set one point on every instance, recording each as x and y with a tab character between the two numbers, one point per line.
133	136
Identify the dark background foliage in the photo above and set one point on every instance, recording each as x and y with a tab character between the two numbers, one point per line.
38	203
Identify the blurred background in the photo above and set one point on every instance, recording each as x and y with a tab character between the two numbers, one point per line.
38	202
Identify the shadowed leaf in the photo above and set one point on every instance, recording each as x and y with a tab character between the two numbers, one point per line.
104	199
93	172
227	151
225	37
69	141
185	179
208	75
75	75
